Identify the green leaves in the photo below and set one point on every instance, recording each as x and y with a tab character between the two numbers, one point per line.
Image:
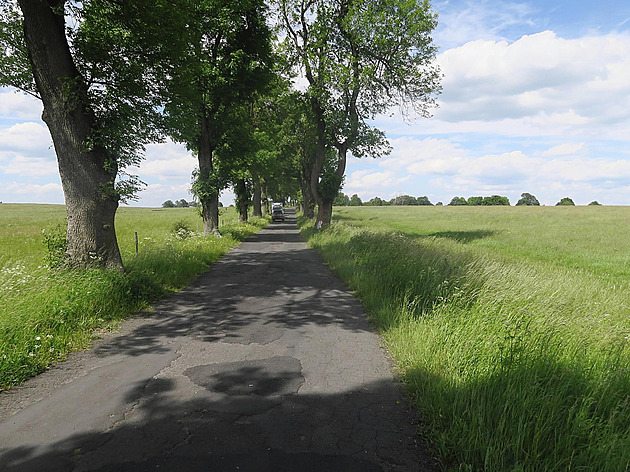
16	69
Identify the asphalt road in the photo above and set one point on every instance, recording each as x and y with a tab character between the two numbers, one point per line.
265	363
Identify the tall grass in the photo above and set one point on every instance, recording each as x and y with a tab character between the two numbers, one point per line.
515	363
45	314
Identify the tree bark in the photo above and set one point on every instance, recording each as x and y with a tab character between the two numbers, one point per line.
88	173
257	197
264	198
308	203
209	196
323	216
242	199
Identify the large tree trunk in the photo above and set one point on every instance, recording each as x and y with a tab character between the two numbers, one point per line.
257	195
87	174
323	216
324	213
242	199
308	202
209	195
264	198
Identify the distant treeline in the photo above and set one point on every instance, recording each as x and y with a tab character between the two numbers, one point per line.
179	204
527	199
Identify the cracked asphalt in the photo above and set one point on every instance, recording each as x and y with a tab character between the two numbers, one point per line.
265	363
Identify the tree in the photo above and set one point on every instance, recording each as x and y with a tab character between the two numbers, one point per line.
595	203
473	201
528	199
181	203
406	200
566	201
342	199
226	60
376	201
360	58
168	204
495	200
355	201
458	201
97	83
423	201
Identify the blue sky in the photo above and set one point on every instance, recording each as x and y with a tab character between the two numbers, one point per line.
536	98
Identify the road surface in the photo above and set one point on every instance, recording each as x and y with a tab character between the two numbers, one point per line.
265	363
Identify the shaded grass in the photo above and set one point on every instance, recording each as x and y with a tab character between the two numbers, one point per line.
46	314
515	363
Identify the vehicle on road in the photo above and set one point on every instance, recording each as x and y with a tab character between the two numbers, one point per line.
277	212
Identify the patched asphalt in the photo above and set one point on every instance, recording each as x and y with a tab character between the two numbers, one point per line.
265	363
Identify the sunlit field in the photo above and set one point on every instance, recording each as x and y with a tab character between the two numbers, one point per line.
509	326
46	313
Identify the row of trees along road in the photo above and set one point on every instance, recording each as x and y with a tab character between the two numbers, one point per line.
115	75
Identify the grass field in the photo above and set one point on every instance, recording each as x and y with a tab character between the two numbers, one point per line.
44	314
509	326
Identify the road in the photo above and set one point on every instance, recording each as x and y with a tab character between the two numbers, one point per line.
265	363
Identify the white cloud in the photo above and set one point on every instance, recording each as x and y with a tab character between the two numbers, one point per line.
577	81
31	167
24	192
167	161
442	168
429	155
32	138
565	149
18	106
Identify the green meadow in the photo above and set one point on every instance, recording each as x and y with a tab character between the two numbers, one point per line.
45	314
509	327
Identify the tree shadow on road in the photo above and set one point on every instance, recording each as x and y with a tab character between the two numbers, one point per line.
360	430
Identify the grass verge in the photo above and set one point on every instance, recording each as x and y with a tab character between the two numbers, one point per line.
45	314
515	365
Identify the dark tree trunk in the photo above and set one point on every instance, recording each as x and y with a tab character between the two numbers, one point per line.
87	174
242	199
308	203
209	196
265	205
257	195
318	165
324	212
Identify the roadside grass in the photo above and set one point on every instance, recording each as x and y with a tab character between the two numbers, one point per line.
45	314
516	362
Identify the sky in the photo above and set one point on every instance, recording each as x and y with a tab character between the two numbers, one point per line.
536	98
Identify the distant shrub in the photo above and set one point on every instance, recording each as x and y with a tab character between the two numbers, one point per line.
56	246
423	201
355	200
527	199
376	201
595	203
496	200
403	200
341	199
566	201
458	201
168	204
475	201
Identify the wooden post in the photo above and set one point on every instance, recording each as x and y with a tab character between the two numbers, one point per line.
136	234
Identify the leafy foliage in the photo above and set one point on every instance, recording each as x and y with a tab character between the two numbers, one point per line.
495	200
566	201
528	199
458	201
